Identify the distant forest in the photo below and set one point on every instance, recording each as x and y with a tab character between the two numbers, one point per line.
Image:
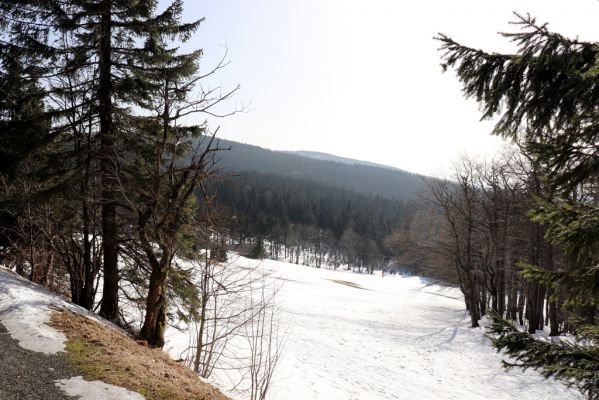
315	211
385	182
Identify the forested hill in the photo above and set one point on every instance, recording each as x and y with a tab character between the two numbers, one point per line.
369	179
343	160
329	208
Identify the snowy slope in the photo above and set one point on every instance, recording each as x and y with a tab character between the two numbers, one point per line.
388	338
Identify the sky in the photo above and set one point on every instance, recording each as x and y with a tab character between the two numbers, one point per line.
362	79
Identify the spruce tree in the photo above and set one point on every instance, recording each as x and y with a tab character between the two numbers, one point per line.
111	42
546	98
24	125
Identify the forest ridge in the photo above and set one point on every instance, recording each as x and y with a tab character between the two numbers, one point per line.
343	173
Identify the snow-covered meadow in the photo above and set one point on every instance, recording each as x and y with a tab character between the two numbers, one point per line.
359	336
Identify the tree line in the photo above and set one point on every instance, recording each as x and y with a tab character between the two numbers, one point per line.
368	179
487	235
308	222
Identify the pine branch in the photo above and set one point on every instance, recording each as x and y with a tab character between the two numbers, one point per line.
573	364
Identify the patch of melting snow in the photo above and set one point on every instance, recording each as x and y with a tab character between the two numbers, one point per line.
25	312
26	308
95	390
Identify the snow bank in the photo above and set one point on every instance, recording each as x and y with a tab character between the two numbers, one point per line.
95	390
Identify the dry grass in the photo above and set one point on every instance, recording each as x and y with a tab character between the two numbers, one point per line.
348	283
98	352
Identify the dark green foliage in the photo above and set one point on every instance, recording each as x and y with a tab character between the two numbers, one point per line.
546	96
218	252
265	203
549	86
368	179
573	364
258	251
24	124
91	95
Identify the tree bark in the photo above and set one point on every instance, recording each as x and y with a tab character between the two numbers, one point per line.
155	320
532	307
501	290
473	303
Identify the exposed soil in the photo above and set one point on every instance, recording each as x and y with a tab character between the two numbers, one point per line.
348	283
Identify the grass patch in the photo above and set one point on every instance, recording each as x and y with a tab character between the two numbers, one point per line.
79	353
100	353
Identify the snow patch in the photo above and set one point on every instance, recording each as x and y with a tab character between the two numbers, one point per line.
95	390
26	308
25	312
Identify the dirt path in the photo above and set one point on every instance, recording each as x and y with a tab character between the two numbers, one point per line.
28	375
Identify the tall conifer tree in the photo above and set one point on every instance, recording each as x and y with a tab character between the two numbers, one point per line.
547	99
112	40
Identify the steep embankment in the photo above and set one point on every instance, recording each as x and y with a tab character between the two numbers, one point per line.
46	341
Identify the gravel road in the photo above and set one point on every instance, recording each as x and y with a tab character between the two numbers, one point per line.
28	375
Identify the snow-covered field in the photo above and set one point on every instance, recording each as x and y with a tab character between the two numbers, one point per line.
357	336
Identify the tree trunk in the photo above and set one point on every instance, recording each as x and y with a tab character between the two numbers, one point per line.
532	307
501	290
155	320
86	298
540	307
512	302
110	293
521	301
473	303
495	301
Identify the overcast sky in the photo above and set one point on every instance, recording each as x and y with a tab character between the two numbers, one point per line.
360	78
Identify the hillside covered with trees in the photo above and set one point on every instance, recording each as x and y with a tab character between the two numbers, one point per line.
314	211
357	176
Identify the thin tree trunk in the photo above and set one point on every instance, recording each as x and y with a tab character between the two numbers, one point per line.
473	303
501	290
532	307
512	302
521	301
540	307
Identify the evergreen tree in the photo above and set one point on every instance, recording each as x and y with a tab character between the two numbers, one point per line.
112	41
546	98
24	125
168	167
